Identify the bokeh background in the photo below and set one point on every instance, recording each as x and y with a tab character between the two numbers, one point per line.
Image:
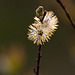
18	54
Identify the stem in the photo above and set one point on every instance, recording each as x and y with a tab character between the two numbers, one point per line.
38	60
36	70
67	14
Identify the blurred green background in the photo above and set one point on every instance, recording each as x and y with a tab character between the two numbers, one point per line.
18	54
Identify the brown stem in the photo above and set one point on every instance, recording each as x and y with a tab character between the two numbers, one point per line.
67	14
36	70
38	60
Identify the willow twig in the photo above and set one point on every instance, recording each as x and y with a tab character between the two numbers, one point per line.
67	14
38	60
36	70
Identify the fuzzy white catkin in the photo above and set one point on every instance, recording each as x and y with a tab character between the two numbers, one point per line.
41	32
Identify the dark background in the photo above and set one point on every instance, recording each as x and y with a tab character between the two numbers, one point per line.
18	54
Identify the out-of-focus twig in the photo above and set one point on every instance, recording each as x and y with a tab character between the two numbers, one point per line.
67	14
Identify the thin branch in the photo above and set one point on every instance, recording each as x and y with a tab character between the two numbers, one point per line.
67	14
36	70
38	60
